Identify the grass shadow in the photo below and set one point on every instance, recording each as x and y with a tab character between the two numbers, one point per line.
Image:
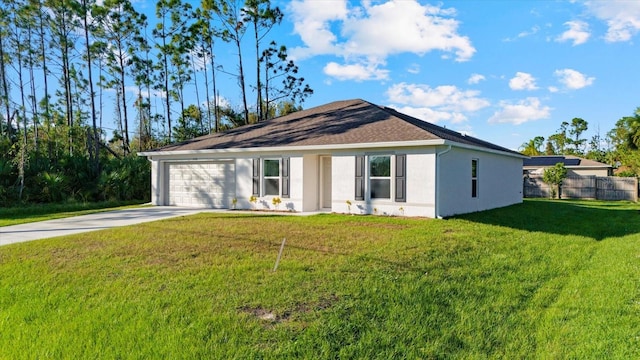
593	219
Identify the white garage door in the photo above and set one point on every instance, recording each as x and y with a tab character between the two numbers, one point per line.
202	184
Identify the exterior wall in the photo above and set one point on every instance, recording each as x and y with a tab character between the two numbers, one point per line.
155	184
499	182
588	172
420	192
435	185
343	184
244	182
310	182
244	185
296	177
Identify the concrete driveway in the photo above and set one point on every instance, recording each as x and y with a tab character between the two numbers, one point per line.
84	223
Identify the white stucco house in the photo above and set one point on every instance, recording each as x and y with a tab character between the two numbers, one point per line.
321	159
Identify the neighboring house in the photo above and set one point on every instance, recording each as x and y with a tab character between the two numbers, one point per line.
321	159
575	166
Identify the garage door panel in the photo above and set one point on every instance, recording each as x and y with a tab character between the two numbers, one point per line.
202	184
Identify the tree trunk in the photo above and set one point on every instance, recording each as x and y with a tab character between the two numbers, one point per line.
261	114
93	150
241	80
4	95
215	93
123	99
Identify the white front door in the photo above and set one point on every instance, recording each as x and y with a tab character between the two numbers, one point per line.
325	182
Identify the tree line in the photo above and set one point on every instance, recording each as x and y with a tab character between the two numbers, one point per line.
68	69
620	147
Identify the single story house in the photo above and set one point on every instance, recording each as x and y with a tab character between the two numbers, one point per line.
575	166
345	156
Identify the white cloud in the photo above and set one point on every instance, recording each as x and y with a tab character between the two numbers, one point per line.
431	115
553	89
475	79
357	72
371	33
534	30
136	91
312	21
424	28
578	32
445	102
414	69
622	18
523	81
529	109
573	79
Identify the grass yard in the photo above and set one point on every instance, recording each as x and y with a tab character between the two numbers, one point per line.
31	213
540	280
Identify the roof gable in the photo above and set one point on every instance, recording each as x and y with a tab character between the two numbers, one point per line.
341	122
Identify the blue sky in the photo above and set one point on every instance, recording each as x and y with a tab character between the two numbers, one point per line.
503	71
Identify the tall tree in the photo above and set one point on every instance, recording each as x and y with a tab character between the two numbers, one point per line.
279	67
229	12
596	150
559	139
169	28
206	33
87	27
142	68
182	44
533	146
120	28
263	17
42	25
578	126
63	26
26	19
625	137
4	81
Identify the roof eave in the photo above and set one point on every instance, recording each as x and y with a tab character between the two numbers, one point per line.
331	147
301	148
484	149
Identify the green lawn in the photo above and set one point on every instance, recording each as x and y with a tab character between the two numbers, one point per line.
543	280
30	213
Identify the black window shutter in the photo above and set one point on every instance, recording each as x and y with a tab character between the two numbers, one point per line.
401	178
256	177
359	178
285	178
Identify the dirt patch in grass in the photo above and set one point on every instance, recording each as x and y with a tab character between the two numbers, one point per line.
273	316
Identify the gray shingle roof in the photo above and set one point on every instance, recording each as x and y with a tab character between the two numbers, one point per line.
341	122
567	160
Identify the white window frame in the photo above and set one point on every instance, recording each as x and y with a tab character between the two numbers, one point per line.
265	178
390	177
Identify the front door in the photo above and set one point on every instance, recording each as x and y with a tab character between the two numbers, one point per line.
325	182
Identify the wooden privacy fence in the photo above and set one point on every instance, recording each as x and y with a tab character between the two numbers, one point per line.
585	187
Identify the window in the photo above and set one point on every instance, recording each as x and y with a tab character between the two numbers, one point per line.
275	172
380	177
271	176
474	178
